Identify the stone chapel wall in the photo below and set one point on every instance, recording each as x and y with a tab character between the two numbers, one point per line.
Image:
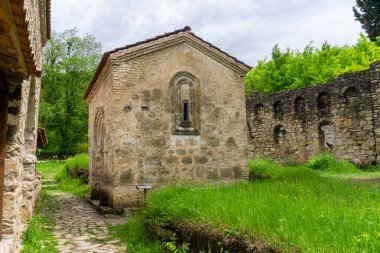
144	146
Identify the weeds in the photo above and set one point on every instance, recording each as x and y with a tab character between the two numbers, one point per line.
67	184
327	162
57	170
38	238
136	236
79	161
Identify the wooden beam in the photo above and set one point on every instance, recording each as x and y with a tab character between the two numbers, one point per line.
3	133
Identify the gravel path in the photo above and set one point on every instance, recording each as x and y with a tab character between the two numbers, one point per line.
79	228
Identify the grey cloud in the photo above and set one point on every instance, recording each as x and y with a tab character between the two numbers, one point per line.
246	29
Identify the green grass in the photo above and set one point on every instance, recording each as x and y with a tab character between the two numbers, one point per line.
38	238
56	170
67	184
294	208
49	169
136	236
79	161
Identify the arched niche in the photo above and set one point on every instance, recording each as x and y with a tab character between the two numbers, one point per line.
185	103
299	104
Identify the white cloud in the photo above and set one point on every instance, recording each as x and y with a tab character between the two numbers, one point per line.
246	29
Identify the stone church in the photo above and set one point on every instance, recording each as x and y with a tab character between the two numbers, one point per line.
24	30
170	108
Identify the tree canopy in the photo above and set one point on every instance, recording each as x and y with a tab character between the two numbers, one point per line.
69	62
367	12
294	69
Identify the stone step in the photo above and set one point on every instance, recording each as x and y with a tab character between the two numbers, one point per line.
103	209
48	181
50	186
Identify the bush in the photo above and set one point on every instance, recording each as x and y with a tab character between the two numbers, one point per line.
258	169
327	162
79	161
264	169
77	167
73	177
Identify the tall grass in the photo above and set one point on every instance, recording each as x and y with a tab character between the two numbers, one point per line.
136	236
79	161
295	209
327	162
67	184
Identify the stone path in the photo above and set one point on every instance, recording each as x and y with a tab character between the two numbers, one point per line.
79	228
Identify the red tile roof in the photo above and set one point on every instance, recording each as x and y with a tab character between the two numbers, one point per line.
185	29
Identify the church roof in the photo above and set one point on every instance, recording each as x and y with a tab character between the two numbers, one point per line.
186	29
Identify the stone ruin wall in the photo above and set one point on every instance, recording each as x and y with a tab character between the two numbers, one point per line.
341	117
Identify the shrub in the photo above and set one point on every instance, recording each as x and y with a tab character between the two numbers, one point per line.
73	177
327	162
322	161
79	161
77	167
258	169
264	169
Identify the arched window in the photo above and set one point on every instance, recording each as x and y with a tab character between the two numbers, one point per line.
279	134
186	107
278	110
351	96
299	104
324	100
259	111
326	135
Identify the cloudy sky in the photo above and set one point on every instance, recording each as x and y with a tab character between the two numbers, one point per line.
246	29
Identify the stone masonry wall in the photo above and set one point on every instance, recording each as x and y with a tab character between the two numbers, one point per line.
142	148
22	184
21	181
340	117
101	155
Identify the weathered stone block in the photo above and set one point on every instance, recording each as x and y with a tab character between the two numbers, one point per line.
127	177
212	174
187	160
201	159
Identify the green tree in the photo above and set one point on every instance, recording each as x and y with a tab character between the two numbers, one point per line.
367	12
295	69
69	62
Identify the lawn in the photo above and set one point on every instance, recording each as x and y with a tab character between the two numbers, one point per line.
293	208
56	170
49	169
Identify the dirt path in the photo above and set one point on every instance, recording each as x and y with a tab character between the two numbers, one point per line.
78	227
